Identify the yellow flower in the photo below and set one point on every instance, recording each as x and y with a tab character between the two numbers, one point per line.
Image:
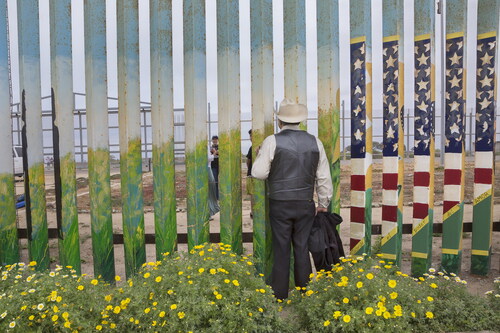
181	315
180	273
94	282
202	253
107	298
261	310
393	295
249	263
369	310
146	310
117	309
32	263
40	306
326	323
55	309
201	270
346	318
12	324
65	315
112	325
345	300
146	275
98	327
369	276
429	315
173	306
55	317
67	324
387	315
413	314
337	314
392	283
58	299
213	271
236	283
117	278
227	280
250	314
170	292
359	284
309	292
80	287
31	317
433	285
430	299
162	314
158	279
219	296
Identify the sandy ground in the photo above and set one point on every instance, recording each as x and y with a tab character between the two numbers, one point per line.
476	284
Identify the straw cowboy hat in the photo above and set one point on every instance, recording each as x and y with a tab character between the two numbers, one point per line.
291	112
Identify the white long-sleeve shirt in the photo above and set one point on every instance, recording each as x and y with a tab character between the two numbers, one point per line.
262	166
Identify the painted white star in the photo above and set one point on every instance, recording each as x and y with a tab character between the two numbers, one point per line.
395	48
357	110
455	81
362	48
490	94
395	147
485	126
362	99
459	93
448	72
390	61
454	106
486	59
427	71
447	95
455	59
357	64
460	45
416	142
358	135
428	94
448	45
427	47
385	51
492	45
391	87
492	70
390	133
484	103
396	74
478	94
479	71
422	60
422	85
357	90
480	47
416	49
385	98
422	106
454	128
486	82
447	142
385	75
391	108
421	130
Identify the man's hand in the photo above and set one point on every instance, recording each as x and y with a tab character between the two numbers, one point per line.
321	210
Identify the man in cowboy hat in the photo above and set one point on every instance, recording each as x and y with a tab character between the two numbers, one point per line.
293	162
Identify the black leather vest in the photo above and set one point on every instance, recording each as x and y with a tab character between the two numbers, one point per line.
293	169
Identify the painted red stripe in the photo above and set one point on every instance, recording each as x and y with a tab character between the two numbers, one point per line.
452	176
357	182
421	179
353	243
390	213
390	181
483	176
420	210
358	214
447	205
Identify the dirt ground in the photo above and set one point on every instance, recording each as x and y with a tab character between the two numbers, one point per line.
476	284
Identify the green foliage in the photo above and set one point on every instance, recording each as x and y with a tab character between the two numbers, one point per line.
364	294
209	290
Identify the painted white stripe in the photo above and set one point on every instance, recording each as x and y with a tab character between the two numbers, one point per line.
358	199
422	163
453	161
483	159
452	193
390	197
387	226
390	164
421	194
368	161
357	230
480	189
358	166
416	222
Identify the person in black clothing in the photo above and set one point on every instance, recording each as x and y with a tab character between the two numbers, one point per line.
249	174
214	150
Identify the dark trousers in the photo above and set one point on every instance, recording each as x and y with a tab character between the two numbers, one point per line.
291	223
215	172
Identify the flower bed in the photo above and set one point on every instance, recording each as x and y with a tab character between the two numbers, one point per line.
214	290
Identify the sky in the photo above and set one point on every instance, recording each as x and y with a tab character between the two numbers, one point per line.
78	54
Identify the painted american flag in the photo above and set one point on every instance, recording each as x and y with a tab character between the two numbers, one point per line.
391	96
358	100
485	107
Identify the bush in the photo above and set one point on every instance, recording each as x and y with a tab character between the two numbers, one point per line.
364	294
210	290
